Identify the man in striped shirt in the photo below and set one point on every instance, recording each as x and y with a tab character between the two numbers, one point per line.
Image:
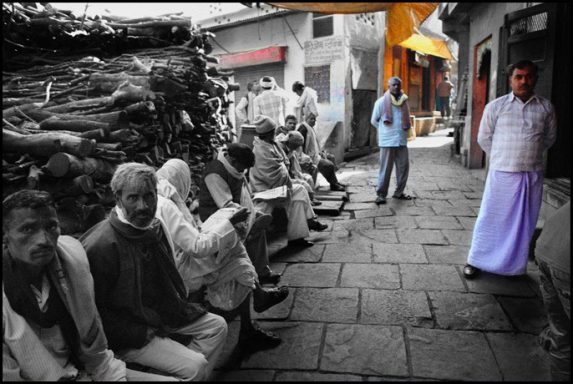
515	130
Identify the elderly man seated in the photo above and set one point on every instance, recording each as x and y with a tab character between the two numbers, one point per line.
290	143
49	317
139	293
323	161
271	171
215	258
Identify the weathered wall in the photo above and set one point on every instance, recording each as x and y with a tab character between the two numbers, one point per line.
485	20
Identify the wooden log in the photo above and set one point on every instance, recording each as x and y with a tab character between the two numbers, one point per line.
46	144
109	82
109	146
56	124
65	165
34	176
70	187
131	93
81	104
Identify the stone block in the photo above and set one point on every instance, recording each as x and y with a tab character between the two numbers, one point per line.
528	315
413	210
348	253
311	275
364	349
454	211
465	203
467	222
418	277
519	357
399	253
395	308
370	276
468	311
500	285
297	255
299	349
382	210
446	254
452	355
395	222
441	195
363	197
458	237
334	305
437	222
359	206
315	376
354	224
421	236
375	236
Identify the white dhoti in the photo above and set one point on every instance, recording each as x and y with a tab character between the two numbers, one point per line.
298	211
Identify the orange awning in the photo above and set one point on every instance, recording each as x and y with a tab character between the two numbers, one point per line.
402	17
423	44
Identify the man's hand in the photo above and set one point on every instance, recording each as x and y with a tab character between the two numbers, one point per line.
239	216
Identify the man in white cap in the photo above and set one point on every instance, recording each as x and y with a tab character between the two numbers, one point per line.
270	102
271	171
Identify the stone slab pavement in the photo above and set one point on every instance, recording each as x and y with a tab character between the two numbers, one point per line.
381	295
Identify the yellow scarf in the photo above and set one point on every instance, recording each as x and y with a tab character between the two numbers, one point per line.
403	97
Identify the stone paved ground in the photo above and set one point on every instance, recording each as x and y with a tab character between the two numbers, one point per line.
381	295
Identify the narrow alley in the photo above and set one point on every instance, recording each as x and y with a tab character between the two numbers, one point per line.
381	295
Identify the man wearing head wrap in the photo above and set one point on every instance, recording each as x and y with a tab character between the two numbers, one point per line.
306	102
323	161
270	102
271	171
290	144
215	258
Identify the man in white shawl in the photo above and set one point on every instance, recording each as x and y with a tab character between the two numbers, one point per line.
271	171
215	258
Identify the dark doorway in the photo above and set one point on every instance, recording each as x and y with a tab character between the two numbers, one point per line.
362	104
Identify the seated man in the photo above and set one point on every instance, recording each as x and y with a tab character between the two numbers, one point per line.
290	125
49	317
290	143
140	295
216	258
323	162
271	171
224	185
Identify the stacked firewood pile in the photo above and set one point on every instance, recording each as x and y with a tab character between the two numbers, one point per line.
38	33
67	126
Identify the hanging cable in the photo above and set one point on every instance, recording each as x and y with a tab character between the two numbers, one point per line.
289	27
220	46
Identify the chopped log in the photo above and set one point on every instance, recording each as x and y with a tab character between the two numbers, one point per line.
109	146
34	175
66	165
109	82
131	93
14	128
81	104
56	124
70	187
46	144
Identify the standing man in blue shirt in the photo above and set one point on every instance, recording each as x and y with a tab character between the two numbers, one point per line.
391	116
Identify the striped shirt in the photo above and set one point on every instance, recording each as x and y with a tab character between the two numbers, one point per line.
272	104
515	133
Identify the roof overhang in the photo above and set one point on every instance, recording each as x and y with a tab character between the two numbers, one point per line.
428	46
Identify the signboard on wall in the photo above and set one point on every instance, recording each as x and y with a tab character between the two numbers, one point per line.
323	51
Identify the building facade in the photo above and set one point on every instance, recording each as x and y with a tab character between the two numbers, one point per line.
339	56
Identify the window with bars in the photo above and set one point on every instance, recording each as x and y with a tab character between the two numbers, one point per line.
318	78
322	25
529	24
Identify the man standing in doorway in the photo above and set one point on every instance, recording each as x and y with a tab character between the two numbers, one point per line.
244	109
515	130
391	116
444	93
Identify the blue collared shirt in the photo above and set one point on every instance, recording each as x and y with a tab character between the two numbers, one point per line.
389	135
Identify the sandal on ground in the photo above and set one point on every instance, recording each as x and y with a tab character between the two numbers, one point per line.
470	271
380	200
403	197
